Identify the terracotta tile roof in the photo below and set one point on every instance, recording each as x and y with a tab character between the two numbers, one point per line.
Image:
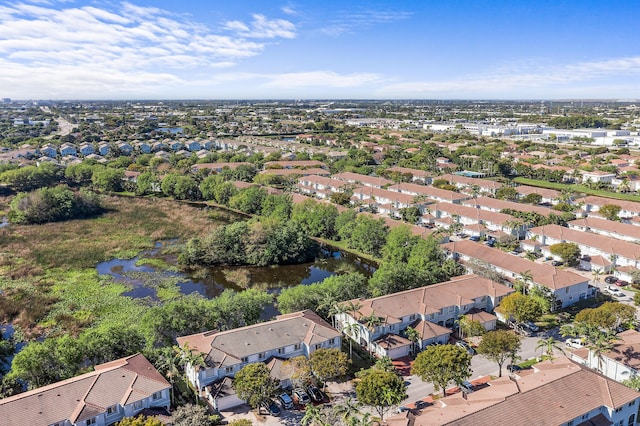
429	330
593	223
476	214
487	203
557	392
545	275
482	183
525	190
391	341
229	347
630	206
85	396
363	179
605	244
430	299
428	191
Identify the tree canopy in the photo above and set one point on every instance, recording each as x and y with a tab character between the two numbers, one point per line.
442	365
381	390
254	384
498	346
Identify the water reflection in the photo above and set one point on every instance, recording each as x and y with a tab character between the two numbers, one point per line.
210	282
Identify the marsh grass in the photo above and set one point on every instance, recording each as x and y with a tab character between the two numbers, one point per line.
129	226
47	272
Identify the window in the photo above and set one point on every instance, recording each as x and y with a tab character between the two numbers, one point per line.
618	409
412	317
228	369
632	420
261	355
332	341
318	346
137	405
451	308
297	347
156	395
91	421
632	403
570	423
244	359
112	410
280	350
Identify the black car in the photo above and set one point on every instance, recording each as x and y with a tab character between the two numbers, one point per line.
513	368
610	279
272	408
315	394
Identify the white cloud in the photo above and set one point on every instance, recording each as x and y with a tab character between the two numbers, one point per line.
523	77
347	22
76	50
320	79
261	27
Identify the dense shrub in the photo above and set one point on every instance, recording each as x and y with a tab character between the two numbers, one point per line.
53	205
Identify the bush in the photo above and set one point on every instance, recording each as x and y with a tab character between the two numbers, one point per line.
53	205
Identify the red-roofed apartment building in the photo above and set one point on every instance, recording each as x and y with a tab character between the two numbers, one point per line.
431	310
113	391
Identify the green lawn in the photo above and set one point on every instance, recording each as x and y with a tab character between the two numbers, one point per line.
576	188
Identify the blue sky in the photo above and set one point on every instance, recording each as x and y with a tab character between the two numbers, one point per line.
222	49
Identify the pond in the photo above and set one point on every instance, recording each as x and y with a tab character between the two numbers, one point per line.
210	282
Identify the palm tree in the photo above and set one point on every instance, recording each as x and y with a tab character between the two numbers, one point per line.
353	309
596	275
370	322
601	346
348	410
353	332
549	345
527	279
414	337
312	416
334	308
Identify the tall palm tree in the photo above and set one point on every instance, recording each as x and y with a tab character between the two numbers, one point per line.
597	273
601	346
335	310
414	337
353	332
371	322
312	416
348	410
548	346
352	308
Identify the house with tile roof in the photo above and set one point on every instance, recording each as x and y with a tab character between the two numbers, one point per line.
417	176
552	393
620	363
469	184
620	253
567	287
590	206
286	336
113	391
374	182
437	194
431	310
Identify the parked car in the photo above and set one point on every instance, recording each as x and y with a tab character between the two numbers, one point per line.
574	343
301	397
622	283
556	263
531	326
513	368
272	408
286	401
613	291
420	404
315	393
403	408
474	238
610	279
466	387
464	345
